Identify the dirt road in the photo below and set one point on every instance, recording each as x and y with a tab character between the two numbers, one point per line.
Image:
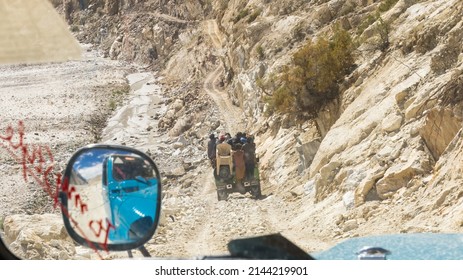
231	114
195	223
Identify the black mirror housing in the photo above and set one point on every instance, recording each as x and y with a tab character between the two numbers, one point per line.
111	197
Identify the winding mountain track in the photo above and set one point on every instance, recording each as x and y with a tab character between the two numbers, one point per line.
231	115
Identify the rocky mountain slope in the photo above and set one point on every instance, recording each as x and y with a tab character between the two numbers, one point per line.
384	157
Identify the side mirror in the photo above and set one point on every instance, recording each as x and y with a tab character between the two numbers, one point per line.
111	197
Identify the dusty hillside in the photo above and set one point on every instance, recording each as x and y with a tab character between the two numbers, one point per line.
383	157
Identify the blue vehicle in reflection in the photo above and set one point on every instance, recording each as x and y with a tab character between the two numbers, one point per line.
130	194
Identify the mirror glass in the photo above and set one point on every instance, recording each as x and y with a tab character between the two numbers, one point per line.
111	197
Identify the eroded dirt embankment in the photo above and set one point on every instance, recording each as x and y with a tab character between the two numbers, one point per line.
62	107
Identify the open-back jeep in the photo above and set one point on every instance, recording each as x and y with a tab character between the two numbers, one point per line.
226	183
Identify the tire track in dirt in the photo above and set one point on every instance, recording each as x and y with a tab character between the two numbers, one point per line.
213	31
231	115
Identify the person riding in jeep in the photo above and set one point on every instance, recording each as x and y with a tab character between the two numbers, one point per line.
223	148
236	167
212	149
249	148
224	154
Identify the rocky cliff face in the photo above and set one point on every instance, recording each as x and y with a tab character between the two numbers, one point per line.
388	148
385	157
390	136
386	143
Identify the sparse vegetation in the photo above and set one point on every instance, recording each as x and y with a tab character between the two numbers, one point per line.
97	122
383	28
298	32
313	78
278	49
369	20
386	5
98	119
242	14
254	15
260	52
117	96
74	28
223	5
347	8
268	85
426	40
260	83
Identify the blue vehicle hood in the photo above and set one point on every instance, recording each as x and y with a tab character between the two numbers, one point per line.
410	246
137	205
128	208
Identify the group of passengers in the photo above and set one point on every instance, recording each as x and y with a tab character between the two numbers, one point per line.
241	148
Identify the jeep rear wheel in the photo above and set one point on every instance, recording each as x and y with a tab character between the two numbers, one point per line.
224	172
222	195
255	192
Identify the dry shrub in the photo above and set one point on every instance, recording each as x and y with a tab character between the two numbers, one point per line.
315	74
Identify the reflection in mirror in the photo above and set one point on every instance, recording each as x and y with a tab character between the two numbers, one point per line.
112	197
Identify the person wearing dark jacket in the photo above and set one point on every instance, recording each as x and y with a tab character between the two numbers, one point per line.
249	149
211	149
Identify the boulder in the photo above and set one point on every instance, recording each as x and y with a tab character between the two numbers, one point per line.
417	163
391	123
38	237
440	128
307	152
182	125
